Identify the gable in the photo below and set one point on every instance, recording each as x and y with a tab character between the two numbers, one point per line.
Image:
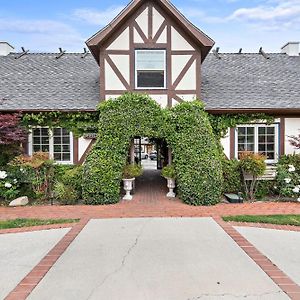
150	19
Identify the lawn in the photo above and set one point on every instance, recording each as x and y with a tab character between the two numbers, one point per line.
270	219
18	223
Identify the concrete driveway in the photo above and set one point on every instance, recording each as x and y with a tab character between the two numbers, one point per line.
20	252
155	259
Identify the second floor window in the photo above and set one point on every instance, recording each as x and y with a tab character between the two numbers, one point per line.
150	69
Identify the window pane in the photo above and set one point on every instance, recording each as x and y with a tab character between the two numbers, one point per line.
57	131
270	139
66	156
271	130
45	131
241	147
250	130
57	140
45	140
150	60
250	138
66	148
36	131
261	139
261	147
66	140
57	148
250	147
270	147
241	131
261	130
150	79
45	148
57	156
36	148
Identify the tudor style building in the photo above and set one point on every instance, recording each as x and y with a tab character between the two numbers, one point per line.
150	47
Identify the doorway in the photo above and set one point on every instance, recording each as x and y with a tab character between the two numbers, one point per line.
151	153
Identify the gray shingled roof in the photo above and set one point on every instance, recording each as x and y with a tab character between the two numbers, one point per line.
236	81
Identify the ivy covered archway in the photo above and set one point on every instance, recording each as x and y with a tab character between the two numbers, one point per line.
186	129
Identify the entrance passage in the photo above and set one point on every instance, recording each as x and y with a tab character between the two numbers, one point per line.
152	154
151	187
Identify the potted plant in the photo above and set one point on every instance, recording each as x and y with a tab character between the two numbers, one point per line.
168	172
129	173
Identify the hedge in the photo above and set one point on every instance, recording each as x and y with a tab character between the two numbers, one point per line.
186	129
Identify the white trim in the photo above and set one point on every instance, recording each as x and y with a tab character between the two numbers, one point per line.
165	70
256	125
51	146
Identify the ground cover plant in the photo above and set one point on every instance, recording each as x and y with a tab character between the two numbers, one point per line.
269	219
18	223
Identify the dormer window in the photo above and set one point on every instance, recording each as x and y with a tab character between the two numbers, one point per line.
150	69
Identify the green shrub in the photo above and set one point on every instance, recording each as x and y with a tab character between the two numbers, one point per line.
196	156
65	194
186	129
253	165
73	177
132	171
264	188
168	172
231	176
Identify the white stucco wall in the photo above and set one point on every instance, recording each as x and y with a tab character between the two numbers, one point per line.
162	100
121	42
82	146
112	82
188	81
179	42
157	21
225	142
142	21
292	127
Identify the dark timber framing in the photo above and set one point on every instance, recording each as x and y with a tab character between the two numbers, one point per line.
150	42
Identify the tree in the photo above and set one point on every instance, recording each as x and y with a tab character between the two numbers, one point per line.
11	135
11	131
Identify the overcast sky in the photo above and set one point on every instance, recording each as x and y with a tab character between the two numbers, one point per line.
45	25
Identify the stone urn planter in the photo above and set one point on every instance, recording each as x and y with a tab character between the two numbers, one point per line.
171	186
168	172
128	186
129	173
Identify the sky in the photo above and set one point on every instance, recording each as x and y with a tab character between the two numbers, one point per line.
44	25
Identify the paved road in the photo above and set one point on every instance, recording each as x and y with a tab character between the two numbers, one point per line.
282	247
20	252
157	258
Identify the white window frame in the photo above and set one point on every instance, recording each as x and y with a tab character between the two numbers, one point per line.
256	126
136	70
51	146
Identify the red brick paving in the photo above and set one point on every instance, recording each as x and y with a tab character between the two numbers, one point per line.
279	277
32	279
149	201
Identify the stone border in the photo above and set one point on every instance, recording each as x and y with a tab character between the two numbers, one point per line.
278	276
265	225
32	279
37	228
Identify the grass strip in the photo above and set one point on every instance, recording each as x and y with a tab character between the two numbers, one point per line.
268	219
18	223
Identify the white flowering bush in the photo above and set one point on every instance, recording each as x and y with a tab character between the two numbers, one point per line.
9	185
288	176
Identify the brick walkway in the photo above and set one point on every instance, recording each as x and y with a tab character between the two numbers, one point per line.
149	201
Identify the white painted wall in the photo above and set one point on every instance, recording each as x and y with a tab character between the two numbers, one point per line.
112	82
179	42
292	127
188	82
188	97
142	21
178	63
162	100
122	63
225	142
157	20
82	146
121	42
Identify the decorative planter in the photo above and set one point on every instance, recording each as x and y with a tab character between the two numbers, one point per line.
128	186
171	186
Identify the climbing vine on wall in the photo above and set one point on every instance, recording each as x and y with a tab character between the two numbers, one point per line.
77	122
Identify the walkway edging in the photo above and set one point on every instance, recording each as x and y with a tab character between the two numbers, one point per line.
265	225
283	281
32	279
